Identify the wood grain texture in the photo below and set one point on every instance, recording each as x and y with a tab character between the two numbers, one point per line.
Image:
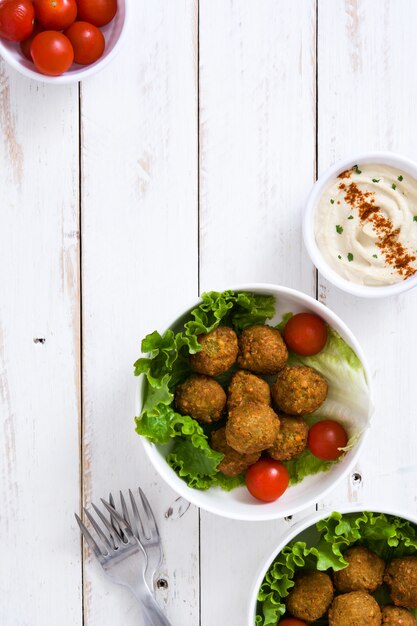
150	204
367	101
40	574
140	262
257	163
257	140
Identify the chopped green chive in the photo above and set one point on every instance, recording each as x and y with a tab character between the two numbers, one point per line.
375	256
400	178
376	180
339	229
350	217
394	186
357	170
350	256
415	218
338	256
332	201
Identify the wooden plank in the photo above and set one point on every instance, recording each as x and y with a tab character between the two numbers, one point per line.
39	353
367	101
257	120
257	162
140	236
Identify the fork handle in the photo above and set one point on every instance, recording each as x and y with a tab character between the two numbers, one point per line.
152	613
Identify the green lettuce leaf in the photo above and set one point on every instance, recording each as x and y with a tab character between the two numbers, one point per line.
163	424
283	322
348	396
197	464
238	310
166	365
305	465
279	580
390	537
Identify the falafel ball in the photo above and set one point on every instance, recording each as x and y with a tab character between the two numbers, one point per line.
252	427
291	440
262	350
299	390
218	352
364	572
356	608
311	596
396	616
246	387
401	578
233	463
201	397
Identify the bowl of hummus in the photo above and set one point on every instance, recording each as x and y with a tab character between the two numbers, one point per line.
360	225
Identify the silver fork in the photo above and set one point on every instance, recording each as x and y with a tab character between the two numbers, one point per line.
123	559
144	527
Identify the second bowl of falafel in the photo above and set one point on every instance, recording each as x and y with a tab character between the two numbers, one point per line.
355	568
260	385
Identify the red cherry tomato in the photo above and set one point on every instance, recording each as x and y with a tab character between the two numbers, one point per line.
97	12
292	621
87	40
26	44
267	479
16	19
52	53
55	14
305	334
325	438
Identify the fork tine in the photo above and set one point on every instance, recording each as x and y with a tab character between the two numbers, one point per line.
113	520
138	520
116	539
124	509
88	538
151	518
98	530
125	526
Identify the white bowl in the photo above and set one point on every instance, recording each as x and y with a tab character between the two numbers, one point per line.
114	34
364	291
303	527
238	503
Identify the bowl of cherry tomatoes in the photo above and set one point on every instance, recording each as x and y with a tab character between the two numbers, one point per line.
61	41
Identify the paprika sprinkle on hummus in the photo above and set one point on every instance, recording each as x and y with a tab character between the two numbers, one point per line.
366	224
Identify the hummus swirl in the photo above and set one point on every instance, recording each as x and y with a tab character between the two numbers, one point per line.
366	225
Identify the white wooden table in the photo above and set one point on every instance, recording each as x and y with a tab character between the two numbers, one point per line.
182	167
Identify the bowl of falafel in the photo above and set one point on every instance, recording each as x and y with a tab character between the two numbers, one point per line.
356	568
254	402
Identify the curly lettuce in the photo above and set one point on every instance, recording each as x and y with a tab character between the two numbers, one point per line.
388	536
304	465
166	365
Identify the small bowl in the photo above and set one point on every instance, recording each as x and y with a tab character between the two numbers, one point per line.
364	291
306	529
238	503
114	34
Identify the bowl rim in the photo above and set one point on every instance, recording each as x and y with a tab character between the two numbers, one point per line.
363	291
77	75
192	495
304	524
